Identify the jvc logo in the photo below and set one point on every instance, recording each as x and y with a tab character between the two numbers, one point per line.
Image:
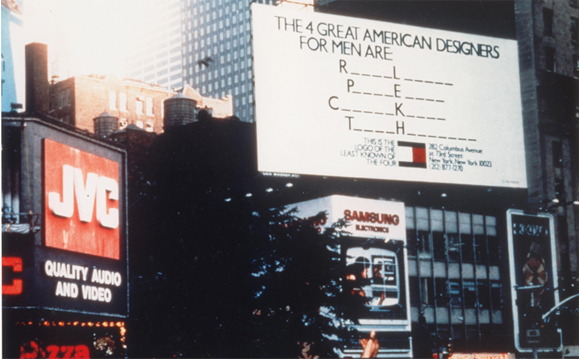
96	187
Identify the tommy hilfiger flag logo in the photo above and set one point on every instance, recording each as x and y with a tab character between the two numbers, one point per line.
411	154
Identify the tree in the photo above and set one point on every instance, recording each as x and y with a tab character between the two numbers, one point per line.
220	272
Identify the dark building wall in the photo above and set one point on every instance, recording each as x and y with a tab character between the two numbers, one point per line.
489	18
548	53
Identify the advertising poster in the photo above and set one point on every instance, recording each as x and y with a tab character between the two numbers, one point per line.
77	260
533	270
389	101
375	257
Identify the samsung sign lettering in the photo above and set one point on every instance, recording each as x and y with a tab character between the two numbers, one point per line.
389	101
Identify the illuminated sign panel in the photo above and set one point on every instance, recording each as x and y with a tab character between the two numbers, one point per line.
346	97
76	261
374	255
533	272
15	287
64	339
81	201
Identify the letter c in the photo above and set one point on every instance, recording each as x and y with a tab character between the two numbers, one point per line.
16	287
110	186
330	103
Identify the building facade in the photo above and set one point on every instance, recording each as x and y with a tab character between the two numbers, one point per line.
78	100
44	310
155	51
216	45
548	37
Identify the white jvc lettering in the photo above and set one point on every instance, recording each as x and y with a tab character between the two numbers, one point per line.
95	186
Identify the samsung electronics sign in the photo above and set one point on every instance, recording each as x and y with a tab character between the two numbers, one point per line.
374	255
339	96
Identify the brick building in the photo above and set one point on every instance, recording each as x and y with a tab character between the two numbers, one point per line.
79	99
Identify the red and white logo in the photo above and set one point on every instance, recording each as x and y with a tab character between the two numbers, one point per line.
81	195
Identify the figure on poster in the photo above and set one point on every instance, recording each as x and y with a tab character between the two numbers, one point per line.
367	279
535	273
357	272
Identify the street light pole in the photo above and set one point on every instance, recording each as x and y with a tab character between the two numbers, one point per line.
558	305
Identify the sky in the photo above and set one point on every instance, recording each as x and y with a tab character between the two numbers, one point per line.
84	36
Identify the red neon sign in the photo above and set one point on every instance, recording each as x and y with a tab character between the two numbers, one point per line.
16	287
81	195
32	350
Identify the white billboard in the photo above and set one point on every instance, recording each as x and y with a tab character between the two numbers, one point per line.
346	97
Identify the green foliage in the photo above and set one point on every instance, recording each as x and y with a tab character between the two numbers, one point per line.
219	272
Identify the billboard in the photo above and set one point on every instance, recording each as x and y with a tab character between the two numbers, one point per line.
81	201
346	97
374	255
73	258
533	273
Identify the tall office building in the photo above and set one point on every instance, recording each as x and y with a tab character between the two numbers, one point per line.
155	50
217	50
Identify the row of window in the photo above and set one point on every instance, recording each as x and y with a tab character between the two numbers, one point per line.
145	125
551	61
452	247
444	292
142	105
548	25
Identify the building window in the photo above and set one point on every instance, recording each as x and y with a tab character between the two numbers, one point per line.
470	295
63	98
112	100
149	106
559	189
427	291
149	126
123	101
454	293
123	123
423	242
550	64
441	295
574	30
139	124
557	154
139	107
547	22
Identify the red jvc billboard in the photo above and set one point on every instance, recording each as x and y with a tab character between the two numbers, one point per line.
81	201
77	260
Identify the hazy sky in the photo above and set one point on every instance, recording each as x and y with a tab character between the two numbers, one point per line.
84	36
